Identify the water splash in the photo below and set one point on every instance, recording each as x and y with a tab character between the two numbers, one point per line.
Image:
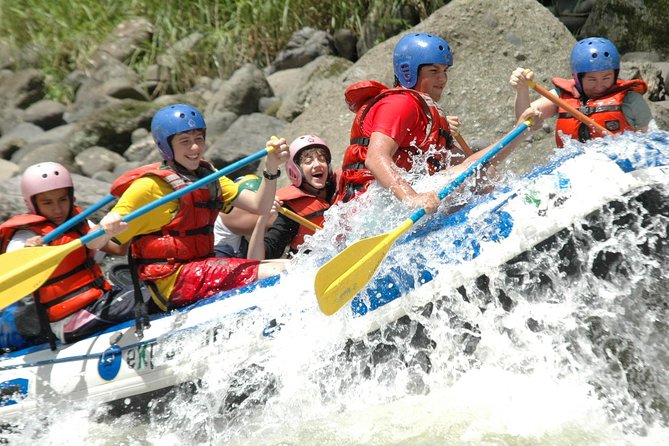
564	344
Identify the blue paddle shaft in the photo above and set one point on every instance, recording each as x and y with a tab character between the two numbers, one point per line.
181	192
53	235
475	166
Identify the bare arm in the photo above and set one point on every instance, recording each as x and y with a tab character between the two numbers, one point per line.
261	201
380	162
518	81
112	225
256	249
240	221
115	249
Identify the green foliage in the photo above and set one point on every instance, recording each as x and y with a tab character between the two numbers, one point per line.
59	36
63	34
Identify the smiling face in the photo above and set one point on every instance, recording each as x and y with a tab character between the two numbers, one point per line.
189	148
54	205
315	169
432	80
596	83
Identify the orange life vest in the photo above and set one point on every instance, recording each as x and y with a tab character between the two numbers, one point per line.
605	110
76	282
355	176
189	236
305	205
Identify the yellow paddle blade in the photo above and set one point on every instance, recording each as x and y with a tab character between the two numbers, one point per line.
26	269
340	279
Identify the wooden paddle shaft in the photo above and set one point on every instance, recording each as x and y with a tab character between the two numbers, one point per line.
574	112
463	144
299	219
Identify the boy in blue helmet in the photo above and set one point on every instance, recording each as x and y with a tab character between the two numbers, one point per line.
398	126
595	90
173	246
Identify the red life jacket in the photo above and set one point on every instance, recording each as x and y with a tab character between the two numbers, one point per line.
605	110
189	236
77	281
305	205
355	176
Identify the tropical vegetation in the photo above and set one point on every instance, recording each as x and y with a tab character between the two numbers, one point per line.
59	36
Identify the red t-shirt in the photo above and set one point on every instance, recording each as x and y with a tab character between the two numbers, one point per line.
398	116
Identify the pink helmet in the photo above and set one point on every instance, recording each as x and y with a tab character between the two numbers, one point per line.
43	177
299	144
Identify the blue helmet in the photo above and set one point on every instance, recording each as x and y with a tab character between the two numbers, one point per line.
173	119
594	54
414	50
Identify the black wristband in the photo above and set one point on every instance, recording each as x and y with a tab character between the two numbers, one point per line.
271	176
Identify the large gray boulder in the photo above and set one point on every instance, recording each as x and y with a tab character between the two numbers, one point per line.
241	93
305	45
306	84
633	25
489	40
247	135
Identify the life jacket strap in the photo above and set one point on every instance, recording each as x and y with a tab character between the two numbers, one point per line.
592	110
142	321
354	166
361	141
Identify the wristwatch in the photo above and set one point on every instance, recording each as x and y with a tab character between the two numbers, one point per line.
271	176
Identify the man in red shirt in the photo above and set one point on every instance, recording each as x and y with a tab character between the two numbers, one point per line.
406	127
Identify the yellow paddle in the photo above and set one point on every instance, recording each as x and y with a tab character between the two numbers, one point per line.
25	270
340	279
573	111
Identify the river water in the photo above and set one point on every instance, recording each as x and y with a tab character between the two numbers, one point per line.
566	345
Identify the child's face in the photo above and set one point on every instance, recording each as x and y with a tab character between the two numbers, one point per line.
432	80
54	205
189	148
596	83
314	165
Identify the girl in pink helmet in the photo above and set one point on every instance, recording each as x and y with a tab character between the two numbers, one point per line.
77	300
310	194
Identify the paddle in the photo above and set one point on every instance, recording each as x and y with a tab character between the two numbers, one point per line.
25	270
299	219
463	144
340	279
53	235
561	103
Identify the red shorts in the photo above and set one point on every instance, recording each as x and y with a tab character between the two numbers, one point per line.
204	278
